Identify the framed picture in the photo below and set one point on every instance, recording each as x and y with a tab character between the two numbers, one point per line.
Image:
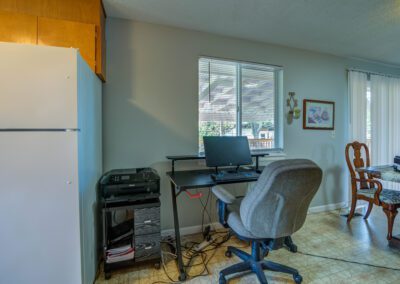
318	115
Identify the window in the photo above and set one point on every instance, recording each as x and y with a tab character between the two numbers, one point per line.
237	98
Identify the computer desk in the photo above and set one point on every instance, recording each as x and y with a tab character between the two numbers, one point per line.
192	179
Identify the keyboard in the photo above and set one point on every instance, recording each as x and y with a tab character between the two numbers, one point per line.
235	176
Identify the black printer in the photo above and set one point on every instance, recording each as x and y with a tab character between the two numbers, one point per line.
130	184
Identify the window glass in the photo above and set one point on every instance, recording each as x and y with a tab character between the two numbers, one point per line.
238	98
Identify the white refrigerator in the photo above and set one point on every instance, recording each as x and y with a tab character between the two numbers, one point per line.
50	162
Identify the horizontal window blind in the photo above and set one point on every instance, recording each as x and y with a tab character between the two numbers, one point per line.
238	99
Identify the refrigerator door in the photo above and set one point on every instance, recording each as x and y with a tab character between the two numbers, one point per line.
40	233
37	86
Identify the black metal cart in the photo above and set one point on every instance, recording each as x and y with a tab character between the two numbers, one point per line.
134	223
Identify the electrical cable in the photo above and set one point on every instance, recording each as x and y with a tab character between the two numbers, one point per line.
191	254
205	210
349	261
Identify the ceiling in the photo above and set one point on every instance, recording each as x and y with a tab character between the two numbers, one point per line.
367	29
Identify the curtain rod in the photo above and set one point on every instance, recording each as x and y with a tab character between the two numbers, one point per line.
373	73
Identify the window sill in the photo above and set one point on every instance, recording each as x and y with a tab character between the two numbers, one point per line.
273	156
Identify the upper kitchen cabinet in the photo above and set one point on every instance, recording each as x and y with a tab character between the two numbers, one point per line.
23	27
53	26
63	33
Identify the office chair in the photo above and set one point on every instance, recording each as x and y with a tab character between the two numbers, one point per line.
274	208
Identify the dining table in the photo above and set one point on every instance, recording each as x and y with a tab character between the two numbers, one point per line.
385	173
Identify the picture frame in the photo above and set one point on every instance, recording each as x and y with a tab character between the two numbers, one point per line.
318	115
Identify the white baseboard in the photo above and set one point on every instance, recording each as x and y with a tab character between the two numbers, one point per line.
316	209
361	209
328	207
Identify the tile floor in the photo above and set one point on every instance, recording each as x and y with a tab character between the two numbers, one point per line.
324	234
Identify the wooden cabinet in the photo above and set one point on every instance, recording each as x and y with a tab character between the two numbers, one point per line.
56	32
101	45
53	15
18	28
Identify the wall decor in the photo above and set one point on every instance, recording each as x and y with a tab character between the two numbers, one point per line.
294	111
318	115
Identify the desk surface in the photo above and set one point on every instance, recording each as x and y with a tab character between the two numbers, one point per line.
386	172
200	178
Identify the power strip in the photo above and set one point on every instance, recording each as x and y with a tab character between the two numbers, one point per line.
203	244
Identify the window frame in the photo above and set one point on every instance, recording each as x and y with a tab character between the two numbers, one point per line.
278	98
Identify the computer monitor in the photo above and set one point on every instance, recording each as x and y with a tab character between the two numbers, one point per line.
223	151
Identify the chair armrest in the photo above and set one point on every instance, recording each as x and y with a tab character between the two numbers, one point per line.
223	195
378	191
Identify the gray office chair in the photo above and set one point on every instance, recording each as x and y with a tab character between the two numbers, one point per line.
274	208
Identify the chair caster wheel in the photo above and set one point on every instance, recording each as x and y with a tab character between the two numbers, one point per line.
228	253
297	278
157	265
293	248
182	277
222	279
107	275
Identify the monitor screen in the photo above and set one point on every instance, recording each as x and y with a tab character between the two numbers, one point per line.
227	151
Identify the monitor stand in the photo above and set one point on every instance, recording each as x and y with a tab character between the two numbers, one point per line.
218	172
235	171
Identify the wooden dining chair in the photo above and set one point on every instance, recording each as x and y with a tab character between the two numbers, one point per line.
364	186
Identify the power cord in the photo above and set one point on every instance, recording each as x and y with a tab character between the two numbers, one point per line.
191	254
205	211
349	261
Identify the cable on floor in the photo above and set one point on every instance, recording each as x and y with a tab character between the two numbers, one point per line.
349	261
191	254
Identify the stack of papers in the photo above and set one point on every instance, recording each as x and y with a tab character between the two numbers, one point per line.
120	254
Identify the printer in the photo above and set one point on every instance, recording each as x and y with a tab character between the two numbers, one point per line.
129	185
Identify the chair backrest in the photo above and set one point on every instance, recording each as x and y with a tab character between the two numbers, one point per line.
277	205
355	152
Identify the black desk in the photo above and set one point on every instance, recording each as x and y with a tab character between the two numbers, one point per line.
181	181
173	159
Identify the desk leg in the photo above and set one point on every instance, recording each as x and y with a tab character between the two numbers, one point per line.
182	273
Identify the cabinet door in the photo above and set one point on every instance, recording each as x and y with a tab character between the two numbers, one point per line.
101	46
62	33
18	28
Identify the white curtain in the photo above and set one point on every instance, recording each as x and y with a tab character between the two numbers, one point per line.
384	109
380	120
358	82
358	106
385	130
393	123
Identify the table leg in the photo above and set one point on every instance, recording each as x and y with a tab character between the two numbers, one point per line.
395	242
182	273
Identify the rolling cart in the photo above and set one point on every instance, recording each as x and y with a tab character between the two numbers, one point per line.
130	213
131	234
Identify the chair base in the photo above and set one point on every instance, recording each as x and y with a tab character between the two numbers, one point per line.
256	264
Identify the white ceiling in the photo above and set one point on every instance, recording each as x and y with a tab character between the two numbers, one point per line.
368	29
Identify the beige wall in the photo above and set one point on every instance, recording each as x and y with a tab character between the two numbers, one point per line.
150	103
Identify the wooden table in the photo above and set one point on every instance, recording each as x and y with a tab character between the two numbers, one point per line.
386	173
